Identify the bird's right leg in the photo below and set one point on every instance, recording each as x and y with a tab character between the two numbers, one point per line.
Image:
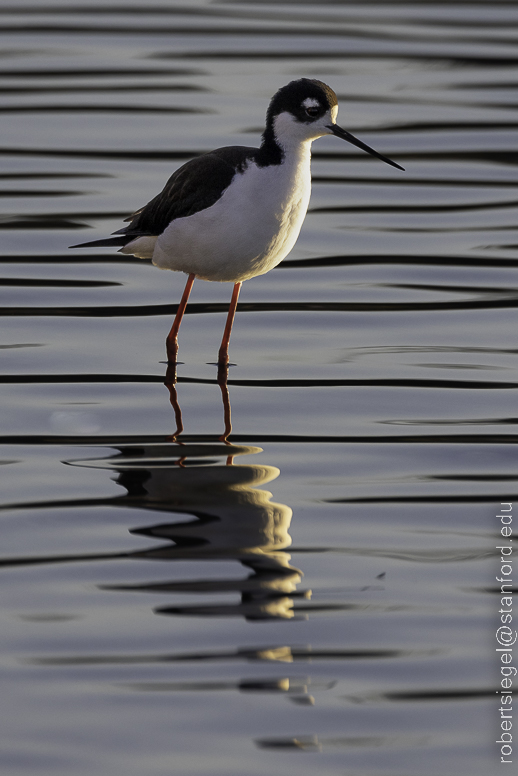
171	342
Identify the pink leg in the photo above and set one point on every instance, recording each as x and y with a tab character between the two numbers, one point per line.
172	338
223	351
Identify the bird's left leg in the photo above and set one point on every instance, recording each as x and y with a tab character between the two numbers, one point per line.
223	351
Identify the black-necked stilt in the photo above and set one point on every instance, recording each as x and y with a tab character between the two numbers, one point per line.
236	212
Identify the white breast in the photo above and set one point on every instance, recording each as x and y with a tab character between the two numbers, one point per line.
249	230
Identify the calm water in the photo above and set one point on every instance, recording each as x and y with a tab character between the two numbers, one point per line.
319	594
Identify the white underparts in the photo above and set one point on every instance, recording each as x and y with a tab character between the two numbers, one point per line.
249	230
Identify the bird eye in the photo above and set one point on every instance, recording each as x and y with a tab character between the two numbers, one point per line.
313	112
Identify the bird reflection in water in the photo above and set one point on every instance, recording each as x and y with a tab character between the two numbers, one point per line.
230	518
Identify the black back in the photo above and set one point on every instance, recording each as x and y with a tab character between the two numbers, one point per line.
195	186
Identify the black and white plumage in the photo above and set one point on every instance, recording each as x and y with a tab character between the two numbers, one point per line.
236	212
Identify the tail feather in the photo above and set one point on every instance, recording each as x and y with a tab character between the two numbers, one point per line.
109	241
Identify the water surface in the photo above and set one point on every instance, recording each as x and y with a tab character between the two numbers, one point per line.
319	591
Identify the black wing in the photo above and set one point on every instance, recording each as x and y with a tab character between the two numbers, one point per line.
195	186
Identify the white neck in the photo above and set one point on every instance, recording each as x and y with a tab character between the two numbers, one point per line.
292	137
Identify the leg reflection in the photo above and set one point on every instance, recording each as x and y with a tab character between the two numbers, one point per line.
170	383
223	384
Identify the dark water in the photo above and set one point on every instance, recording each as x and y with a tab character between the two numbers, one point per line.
164	612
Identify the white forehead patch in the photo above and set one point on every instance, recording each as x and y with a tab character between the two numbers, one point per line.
334	113
310	102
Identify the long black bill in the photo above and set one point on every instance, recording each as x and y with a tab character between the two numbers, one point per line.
339	132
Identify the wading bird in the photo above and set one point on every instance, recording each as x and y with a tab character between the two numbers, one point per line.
236	212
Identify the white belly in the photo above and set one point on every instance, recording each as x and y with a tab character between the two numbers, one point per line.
248	231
